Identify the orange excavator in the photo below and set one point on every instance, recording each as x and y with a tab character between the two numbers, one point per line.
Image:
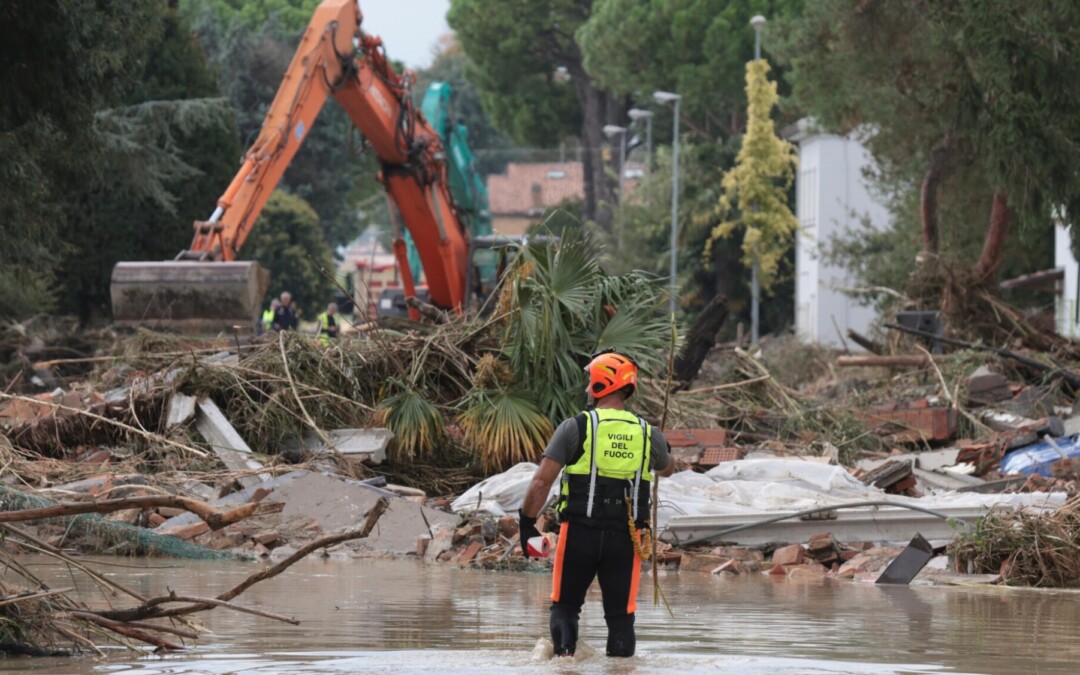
206	288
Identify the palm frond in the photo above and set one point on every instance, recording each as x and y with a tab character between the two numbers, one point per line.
506	428
415	421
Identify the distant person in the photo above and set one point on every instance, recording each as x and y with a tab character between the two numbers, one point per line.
328	324
267	323
285	315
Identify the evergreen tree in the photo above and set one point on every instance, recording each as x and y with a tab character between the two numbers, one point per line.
288	241
59	63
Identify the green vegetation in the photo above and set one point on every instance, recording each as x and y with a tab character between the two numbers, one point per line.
755	190
961	104
287	241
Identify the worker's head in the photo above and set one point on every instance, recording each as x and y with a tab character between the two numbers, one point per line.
331	309
611	374
286	299
275	303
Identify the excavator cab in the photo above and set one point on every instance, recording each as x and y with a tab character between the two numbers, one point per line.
490	256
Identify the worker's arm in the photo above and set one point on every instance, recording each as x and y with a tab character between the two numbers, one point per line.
662	453
667	470
540	486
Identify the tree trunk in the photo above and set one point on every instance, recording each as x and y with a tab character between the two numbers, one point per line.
1001	217
700	340
599	195
928	203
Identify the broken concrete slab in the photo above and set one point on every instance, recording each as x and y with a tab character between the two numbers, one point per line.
226	443
369	444
181	410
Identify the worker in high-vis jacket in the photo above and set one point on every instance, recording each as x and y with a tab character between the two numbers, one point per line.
267	322
328	324
608	457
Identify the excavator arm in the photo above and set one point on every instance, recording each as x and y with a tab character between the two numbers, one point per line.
335	59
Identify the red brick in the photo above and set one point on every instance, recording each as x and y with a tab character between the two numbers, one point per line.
789	555
710	437
714	456
680	438
470	552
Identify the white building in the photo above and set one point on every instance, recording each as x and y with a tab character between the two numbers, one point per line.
833	199
1066	317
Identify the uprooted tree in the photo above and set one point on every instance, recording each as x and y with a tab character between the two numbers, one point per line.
962	106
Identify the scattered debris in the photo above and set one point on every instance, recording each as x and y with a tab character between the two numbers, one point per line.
909	563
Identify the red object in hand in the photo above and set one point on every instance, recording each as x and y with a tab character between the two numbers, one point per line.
538	547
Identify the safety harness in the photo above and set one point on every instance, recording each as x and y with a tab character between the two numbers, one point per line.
608	485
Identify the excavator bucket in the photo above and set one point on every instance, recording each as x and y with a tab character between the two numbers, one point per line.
188	297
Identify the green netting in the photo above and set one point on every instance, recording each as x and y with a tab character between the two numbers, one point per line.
112	537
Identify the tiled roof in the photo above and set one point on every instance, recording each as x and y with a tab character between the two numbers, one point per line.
513	192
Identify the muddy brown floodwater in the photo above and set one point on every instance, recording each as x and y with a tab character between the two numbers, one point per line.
399	616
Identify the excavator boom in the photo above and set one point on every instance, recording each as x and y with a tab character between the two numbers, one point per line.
335	58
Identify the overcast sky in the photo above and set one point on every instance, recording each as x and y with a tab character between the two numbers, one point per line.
409	28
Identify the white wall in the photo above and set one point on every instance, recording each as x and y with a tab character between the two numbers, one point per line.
1065	303
832	199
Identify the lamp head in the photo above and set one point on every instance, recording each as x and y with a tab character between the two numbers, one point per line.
613	130
665	97
639	114
758	22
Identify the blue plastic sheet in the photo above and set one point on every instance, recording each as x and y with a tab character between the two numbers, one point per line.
1037	458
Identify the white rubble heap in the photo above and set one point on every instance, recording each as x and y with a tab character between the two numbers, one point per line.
742	492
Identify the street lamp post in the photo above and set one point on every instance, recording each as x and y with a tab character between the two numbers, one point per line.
758	22
637	114
611	131
664	97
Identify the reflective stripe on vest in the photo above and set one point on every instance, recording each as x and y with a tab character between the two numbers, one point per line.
617	445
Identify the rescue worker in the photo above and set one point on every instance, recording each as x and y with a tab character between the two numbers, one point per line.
608	456
328	327
267	322
285	315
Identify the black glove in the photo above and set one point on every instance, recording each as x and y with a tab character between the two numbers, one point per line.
526	530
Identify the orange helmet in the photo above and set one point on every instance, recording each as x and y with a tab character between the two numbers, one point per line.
609	372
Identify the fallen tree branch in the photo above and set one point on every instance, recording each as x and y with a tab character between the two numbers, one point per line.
213	517
131	631
101	418
152	608
23	597
145	611
897	361
101	621
323	436
1069	377
864	342
729	385
373	516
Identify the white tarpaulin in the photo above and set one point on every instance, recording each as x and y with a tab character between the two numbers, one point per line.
500	494
749	486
